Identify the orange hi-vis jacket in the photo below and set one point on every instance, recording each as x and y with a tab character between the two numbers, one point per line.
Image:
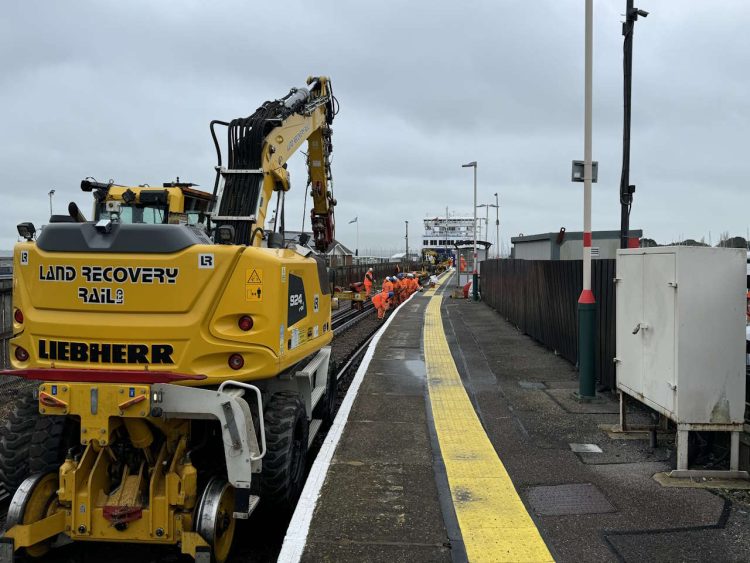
379	300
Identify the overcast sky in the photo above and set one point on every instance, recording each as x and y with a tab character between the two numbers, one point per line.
125	90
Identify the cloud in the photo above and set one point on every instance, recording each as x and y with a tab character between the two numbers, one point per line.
126	90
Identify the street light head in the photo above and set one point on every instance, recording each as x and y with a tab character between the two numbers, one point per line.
472	164
51	192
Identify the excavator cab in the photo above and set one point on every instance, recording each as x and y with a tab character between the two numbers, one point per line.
174	203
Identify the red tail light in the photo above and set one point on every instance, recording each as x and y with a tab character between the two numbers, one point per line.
18	316
236	361
245	323
21	354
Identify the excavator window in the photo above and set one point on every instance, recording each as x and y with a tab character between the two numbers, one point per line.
151	214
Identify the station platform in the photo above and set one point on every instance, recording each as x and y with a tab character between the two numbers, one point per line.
460	441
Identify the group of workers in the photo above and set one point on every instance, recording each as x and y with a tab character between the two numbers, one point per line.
395	290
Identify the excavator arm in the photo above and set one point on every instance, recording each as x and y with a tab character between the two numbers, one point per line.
259	147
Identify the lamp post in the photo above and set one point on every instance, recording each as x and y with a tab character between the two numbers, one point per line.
50	194
475	273
587	302
406	256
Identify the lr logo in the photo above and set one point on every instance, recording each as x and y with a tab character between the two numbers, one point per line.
206	261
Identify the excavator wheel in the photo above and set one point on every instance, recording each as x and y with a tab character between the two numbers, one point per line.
214	518
33	443
35	499
52	438
324	410
15	440
283	474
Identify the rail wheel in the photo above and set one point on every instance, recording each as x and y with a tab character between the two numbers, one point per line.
283	474
35	498
214	519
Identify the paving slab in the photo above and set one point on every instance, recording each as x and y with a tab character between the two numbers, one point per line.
380	499
646	522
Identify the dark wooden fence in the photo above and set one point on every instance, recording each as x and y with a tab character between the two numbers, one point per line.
348	274
540	297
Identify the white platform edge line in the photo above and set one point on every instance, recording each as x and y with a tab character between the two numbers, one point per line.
299	527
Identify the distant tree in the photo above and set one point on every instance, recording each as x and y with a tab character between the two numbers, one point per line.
732	242
692	242
648	243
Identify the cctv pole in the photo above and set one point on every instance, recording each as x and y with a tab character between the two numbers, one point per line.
586	302
497	226
626	190
447	249
486	224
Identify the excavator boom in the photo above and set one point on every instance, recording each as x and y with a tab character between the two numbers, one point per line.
259	147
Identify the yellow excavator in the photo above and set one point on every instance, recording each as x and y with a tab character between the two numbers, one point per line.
179	350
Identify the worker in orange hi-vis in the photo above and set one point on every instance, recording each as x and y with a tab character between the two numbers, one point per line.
369	280
398	289
463	264
388	284
380	301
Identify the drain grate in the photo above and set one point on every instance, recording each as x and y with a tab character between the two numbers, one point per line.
558	500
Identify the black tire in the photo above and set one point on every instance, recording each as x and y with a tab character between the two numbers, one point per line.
33	443
326	408
52	438
283	474
15	441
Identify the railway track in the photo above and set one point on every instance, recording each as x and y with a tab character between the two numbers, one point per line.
349	317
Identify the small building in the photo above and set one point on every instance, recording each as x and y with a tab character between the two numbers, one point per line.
338	254
566	245
6	264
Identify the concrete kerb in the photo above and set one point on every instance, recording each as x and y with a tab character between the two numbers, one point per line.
295	539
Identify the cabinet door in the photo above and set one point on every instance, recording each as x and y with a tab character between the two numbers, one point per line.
659	301
629	346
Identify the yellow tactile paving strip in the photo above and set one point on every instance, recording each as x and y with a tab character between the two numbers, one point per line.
494	522
430	292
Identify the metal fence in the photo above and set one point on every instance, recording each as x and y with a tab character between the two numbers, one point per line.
344	275
540	297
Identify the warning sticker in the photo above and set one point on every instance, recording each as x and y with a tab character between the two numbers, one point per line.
253	284
253	293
